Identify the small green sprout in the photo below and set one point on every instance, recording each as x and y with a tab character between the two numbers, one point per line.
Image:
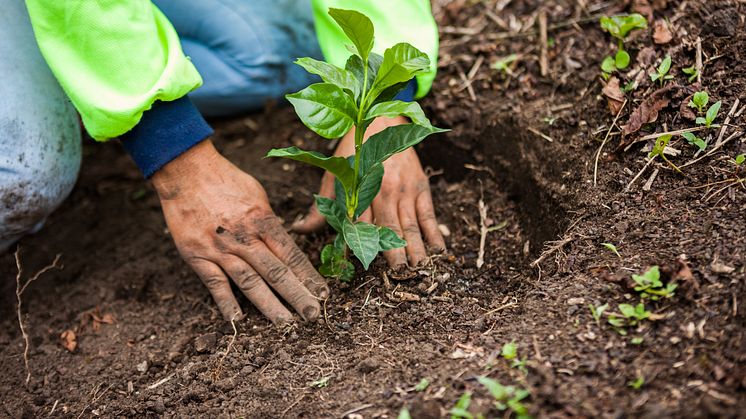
612	248
507	397
619	27
740	159
596	312
628	316
694	140
461	409
699	101
637	340
692	72
658	150
503	64
320	383
661	73
650	286
404	414
509	350
422	385
637	383
710	116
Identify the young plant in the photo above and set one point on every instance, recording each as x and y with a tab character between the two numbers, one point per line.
659	148
628	315
661	73
637	383
710	116
461	409
507	397
699	101
692	72
694	140
739	160
510	353
353	97
650	286
612	249
619	27
503	64
596	312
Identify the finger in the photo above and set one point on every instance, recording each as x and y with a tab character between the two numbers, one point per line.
280	277
367	216
220	289
428	222
411	229
386	214
256	290
314	221
287	252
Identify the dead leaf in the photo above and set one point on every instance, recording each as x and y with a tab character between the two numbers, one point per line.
661	32
720	268
648	110
644	8
614	94
685	111
68	340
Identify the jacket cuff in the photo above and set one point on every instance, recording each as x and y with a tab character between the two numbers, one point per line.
165	131
407	95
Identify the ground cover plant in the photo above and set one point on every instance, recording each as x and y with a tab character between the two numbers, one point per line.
619	27
353	97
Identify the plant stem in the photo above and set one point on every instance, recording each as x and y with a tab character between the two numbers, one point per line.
359	135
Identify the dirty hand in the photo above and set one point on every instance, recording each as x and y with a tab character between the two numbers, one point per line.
224	228
403	205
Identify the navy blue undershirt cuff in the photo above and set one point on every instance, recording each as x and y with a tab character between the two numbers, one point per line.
165	131
407	95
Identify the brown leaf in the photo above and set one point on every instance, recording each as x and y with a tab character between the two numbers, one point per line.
685	111
648	110
68	340
661	32
644	8
614	94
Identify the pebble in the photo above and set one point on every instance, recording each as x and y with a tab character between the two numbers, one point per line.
576	301
143	366
444	230
206	342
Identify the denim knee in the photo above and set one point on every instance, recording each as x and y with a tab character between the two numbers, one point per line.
40	140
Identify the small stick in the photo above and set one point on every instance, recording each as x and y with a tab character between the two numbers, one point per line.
698	62
603	143
19	291
483	232
227	350
629	185
727	121
543	40
161	382
649	183
551	250
540	134
357	409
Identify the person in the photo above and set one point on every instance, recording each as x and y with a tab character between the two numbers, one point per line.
145	72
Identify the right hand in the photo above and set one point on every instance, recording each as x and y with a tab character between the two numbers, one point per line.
223	226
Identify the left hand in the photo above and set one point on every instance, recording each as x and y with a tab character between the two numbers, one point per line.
404	203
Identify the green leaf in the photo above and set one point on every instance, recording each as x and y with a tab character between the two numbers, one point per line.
400	63
694	140
331	74
331	210
699	100
392	140
622	59
355	66
660	145
338	166
333	261
363	240
369	186
509	350
404	414
627	310
422	385
459	410
498	391
357	27
712	113
740	159
612	248
325	108
608	65
388	239
700	121
615	321
411	110
619	26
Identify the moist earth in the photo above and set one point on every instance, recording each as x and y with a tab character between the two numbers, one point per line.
150	342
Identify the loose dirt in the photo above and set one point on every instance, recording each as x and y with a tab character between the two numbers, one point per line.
151	343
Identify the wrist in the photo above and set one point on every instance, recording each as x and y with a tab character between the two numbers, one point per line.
196	161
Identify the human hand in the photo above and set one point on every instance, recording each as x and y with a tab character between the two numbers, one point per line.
404	204
223	226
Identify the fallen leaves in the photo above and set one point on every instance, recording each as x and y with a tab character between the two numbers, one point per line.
68	340
614	94
648	110
661	32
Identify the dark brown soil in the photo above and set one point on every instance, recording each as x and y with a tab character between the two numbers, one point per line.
165	353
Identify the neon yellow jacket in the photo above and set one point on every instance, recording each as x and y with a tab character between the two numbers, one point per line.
114	58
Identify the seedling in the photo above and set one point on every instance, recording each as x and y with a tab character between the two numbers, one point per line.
353	97
710	116
619	27
692	72
404	414
659	148
661	73
510	353
596	312
650	286
503	64
507	397
612	248
320	383
699	101
628	315
637	340
461	409
740	159
637	383
422	385
694	140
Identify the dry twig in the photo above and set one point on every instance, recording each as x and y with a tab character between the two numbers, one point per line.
219	368
543	40
20	288
603	143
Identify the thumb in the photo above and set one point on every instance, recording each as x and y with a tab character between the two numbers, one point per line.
314	221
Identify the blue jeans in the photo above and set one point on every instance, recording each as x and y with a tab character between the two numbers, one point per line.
244	50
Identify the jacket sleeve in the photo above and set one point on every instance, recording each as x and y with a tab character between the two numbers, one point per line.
113	58
394	21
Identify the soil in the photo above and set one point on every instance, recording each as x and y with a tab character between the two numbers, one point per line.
149	341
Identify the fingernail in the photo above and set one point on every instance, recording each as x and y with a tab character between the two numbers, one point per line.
323	293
